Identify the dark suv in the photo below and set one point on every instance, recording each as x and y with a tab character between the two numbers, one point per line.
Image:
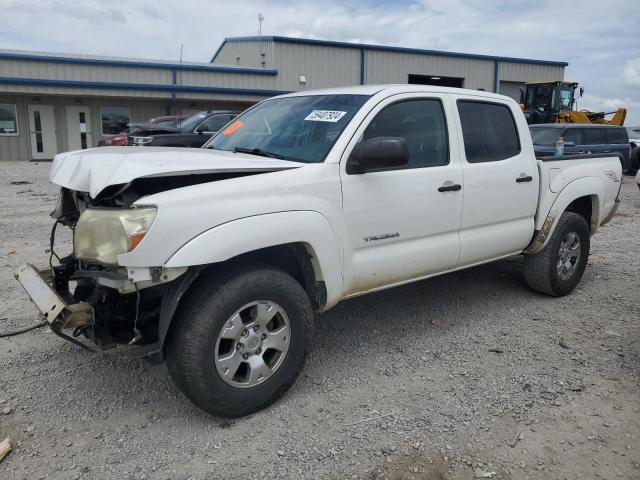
580	138
193	132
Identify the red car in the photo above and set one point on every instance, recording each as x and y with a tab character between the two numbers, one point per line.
166	121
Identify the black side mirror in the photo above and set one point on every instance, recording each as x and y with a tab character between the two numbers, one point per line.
581	91
377	154
201	129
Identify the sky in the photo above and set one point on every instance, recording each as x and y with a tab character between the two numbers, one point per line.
599	38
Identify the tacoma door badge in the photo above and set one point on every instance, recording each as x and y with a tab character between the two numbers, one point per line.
384	236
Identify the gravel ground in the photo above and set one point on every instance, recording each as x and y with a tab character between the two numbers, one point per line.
385	394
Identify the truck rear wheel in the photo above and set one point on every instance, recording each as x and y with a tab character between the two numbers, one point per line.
239	342
558	268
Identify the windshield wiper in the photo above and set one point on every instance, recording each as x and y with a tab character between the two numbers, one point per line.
259	152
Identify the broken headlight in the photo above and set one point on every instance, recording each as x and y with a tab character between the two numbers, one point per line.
102	234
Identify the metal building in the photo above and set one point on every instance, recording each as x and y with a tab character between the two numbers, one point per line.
56	102
310	64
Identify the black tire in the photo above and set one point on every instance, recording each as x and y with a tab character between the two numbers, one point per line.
541	271
206	309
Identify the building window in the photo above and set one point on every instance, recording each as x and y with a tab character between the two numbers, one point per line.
8	119
114	120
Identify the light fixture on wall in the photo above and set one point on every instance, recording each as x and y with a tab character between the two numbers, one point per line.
36	100
192	105
78	101
302	79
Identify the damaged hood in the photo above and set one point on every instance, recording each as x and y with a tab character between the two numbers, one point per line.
95	169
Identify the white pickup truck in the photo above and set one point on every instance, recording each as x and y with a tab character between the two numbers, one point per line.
216	259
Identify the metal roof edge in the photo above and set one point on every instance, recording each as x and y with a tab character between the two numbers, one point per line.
218	50
388	48
137	64
137	86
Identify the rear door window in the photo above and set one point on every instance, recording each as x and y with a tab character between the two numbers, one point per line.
489	131
616	135
593	136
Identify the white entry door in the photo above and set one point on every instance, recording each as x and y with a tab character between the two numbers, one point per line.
79	127
42	129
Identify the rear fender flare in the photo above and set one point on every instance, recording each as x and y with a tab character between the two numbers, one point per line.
581	187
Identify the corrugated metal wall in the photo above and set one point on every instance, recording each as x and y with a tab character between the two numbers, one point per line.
129	75
394	67
323	67
91	73
527	72
247	54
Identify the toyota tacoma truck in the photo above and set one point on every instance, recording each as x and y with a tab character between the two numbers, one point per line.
216	259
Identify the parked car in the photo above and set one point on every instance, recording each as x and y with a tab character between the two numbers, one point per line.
216	258
581	139
168	120
193	132
172	121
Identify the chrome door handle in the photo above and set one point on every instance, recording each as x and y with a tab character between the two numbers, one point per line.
450	188
606	151
526	178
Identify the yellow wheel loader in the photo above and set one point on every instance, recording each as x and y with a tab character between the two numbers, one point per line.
554	102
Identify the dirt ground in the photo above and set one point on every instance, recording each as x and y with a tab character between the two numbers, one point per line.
385	394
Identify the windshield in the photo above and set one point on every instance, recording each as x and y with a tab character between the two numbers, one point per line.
294	128
545	136
562	97
192	122
537	96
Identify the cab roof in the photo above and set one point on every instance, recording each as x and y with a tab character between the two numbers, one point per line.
393	89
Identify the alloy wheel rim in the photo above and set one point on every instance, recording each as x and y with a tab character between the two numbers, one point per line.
252	344
568	255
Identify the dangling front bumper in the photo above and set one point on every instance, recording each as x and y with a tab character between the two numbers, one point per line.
55	310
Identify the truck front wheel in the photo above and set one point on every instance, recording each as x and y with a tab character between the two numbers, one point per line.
558	268
240	341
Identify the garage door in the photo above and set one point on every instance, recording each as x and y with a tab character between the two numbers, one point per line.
511	89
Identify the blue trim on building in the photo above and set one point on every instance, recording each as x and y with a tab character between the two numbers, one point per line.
174	80
135	64
138	86
387	48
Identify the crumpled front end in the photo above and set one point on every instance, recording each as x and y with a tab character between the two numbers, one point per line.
87	294
103	200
